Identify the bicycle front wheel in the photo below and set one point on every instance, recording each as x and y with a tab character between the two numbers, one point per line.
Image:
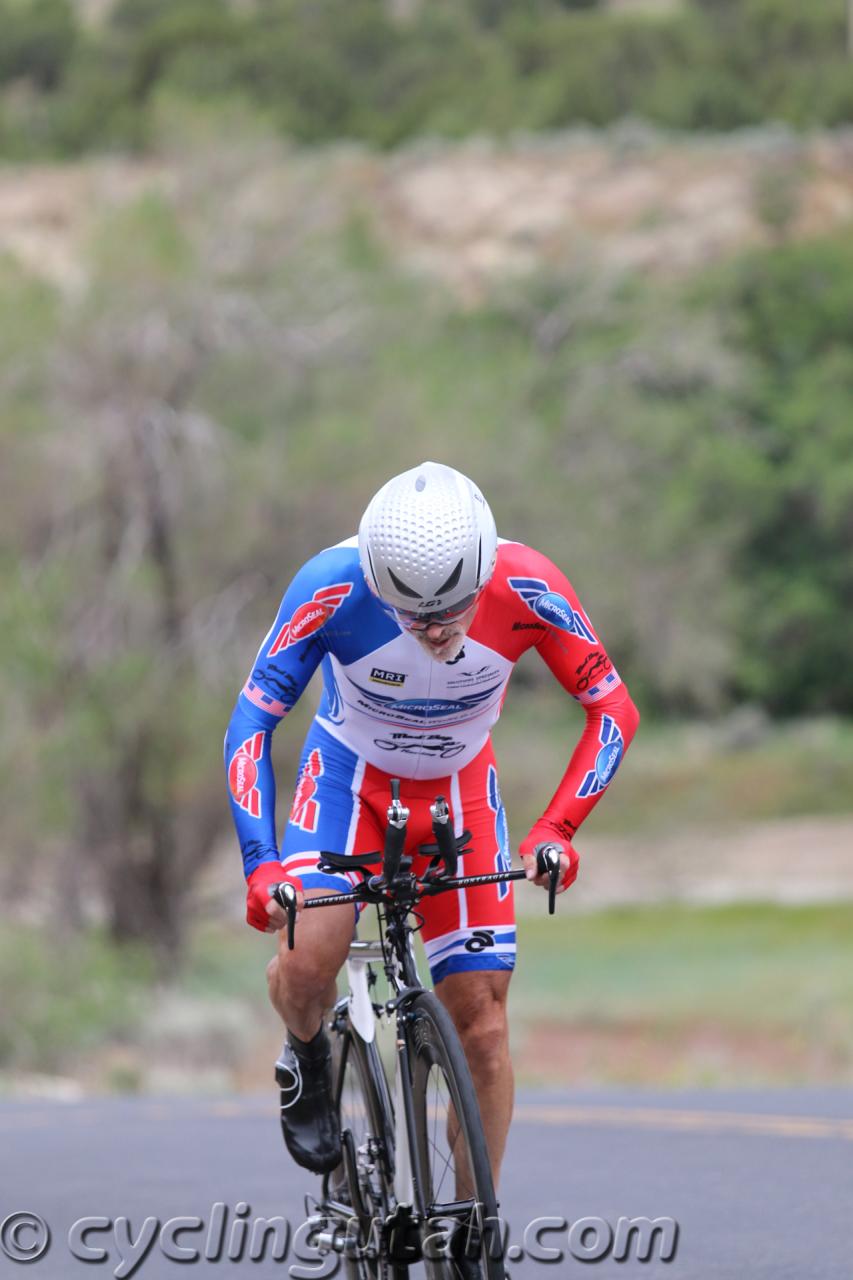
364	1179
461	1237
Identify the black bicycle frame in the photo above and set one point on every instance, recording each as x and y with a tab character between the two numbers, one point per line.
396	893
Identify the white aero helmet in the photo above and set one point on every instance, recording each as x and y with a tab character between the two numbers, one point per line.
427	542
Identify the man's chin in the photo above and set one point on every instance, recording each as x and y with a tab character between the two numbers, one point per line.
445	652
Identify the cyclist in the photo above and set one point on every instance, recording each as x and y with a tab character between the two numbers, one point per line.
417	624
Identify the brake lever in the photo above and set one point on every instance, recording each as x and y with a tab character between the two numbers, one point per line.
285	895
548	863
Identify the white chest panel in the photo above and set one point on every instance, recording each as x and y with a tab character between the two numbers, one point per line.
408	714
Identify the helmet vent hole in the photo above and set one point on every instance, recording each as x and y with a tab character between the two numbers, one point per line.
401	586
420	484
451	581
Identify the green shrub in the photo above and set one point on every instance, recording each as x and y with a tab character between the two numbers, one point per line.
790	311
37	39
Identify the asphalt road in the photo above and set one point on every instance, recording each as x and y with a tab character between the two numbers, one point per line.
759	1184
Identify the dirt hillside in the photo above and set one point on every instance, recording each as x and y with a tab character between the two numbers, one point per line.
631	198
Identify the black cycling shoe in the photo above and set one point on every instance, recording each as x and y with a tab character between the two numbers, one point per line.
308	1120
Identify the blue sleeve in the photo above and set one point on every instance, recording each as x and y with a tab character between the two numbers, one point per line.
251	783
287	659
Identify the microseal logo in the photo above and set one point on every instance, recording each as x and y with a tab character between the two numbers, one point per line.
311	616
425	709
305	810
606	762
243	774
387	677
552	608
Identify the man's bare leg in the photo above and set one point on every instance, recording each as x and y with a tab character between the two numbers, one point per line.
302	989
302	981
476	1000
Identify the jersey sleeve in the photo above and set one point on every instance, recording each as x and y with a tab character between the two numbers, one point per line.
574	652
285	663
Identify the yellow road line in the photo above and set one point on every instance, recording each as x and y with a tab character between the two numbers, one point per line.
660	1119
665	1118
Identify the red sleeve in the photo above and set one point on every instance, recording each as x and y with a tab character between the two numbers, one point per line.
567	642
609	728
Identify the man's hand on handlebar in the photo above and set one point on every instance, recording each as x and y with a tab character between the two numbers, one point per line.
276	913
545	832
262	911
541	834
568	866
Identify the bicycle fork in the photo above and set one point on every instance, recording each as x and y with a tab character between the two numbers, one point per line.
404	1130
364	1020
360	1005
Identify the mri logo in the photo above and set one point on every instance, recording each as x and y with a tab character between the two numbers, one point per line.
311	616
243	774
502	861
305	810
552	608
607	760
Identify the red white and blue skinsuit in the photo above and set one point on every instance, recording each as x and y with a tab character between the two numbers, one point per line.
390	710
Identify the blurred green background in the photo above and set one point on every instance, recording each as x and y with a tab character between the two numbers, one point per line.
257	257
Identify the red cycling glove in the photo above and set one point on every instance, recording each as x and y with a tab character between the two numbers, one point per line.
543	832
258	895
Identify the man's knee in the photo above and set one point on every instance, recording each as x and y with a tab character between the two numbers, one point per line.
305	971
477	1004
301	977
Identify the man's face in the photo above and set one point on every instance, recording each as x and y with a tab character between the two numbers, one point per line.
443	640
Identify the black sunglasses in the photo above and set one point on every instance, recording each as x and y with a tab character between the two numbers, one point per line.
412	620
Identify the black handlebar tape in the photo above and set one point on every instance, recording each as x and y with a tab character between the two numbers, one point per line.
446	841
395	841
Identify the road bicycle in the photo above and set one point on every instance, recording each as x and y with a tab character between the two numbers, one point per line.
414	1185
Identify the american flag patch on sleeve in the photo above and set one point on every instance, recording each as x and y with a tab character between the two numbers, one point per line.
601	689
263	700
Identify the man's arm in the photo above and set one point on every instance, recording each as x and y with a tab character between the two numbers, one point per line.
609	728
575	654
285	663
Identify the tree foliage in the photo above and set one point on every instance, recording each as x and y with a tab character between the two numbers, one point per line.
326	69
